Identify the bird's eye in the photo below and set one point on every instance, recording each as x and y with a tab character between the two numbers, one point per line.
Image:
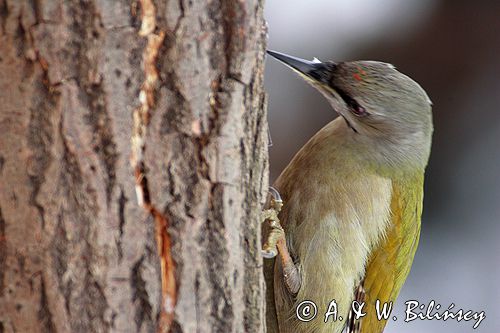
354	107
358	110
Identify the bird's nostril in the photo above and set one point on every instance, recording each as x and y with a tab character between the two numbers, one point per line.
322	72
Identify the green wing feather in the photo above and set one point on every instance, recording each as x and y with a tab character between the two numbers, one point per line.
391	261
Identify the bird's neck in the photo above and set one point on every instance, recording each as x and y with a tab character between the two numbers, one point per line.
394	154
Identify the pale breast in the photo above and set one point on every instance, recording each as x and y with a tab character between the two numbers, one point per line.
335	212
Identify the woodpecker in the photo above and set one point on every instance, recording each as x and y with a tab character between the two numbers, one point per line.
345	220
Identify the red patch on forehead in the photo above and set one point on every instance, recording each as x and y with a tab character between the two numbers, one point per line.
359	75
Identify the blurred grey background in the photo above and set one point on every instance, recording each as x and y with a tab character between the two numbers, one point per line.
452	48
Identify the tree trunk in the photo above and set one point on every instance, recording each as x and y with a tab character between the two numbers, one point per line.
133	165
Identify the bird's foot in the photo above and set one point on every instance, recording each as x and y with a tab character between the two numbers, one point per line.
276	244
269	250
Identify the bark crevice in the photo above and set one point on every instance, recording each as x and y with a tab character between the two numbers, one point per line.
144	310
44	314
141	116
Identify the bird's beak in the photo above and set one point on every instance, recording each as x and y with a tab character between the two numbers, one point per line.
302	66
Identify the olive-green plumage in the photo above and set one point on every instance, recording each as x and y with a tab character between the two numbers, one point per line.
390	262
352	195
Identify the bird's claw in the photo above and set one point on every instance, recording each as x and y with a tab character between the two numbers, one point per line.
269	250
276	233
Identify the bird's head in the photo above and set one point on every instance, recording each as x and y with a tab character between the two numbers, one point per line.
387	111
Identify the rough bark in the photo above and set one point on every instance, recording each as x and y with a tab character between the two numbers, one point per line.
133	165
